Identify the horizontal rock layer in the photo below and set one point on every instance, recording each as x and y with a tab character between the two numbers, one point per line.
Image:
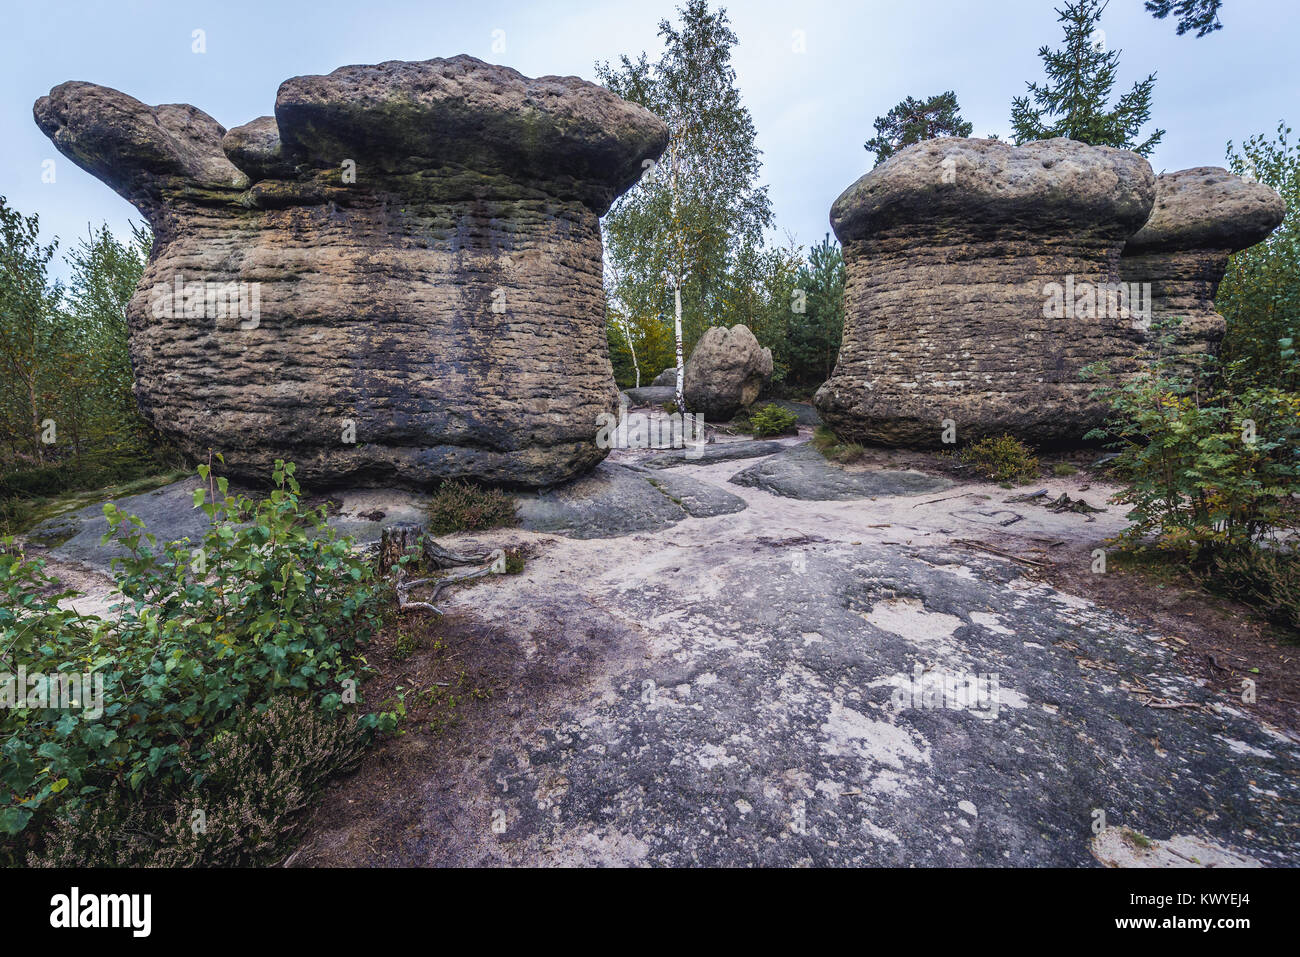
418	251
952	250
1201	217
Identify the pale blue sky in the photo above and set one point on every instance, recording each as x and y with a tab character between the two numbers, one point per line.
813	110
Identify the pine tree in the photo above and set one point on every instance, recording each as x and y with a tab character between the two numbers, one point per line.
1080	78
673	240
912	121
1199	15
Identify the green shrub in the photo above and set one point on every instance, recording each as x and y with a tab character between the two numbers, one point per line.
242	810
1260	292
1203	472
772	420
270	602
1265	577
464	507
1002	458
829	445
1062	469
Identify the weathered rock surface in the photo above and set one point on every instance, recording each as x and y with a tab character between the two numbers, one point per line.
649	395
725	372
802	472
1201	217
668	377
415	256
614	500
169	514
714	452
952	247
726	693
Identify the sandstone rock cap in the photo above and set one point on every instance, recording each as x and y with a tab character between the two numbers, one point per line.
1058	181
139	150
255	149
1207	207
405	117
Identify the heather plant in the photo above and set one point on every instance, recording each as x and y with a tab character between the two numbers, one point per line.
1003	458
243	808
270	602
465	507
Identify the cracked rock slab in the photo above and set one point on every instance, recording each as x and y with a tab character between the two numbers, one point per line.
616	500
802	472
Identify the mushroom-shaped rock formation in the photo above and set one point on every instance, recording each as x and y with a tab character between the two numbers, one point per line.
725	372
397	278
981	278
1201	217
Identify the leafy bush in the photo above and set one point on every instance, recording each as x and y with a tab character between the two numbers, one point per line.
1260	292
772	420
1204	471
241	811
1002	458
270	602
1266	578
465	507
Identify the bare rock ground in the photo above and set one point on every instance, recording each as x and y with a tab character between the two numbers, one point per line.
733	690
721	692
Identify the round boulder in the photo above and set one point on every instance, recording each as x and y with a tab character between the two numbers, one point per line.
726	372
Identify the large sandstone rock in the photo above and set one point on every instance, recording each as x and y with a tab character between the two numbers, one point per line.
418	250
953	248
1201	217
725	373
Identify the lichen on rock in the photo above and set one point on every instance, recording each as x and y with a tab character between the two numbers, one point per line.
396	278
952	249
1201	217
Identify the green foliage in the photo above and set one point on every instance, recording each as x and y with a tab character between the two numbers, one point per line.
1199	15
829	445
694	213
772	420
270	602
912	121
1002	458
813	337
35	345
1260	292
68	418
1266	578
1080	78
242	809
1062	469
1205	472
641	344
466	507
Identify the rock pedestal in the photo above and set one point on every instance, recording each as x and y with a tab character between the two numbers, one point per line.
977	287
396	278
1201	217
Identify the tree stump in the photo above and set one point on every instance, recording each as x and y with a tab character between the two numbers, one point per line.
403	538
